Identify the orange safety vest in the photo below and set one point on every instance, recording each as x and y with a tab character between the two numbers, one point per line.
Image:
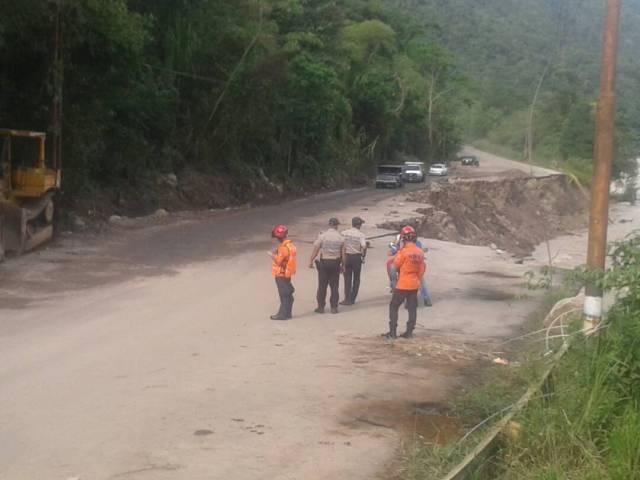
284	261
409	263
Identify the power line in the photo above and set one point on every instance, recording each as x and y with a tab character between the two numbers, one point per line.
185	74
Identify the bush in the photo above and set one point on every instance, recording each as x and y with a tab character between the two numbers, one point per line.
590	427
624	446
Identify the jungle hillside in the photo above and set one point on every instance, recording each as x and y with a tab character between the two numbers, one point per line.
298	94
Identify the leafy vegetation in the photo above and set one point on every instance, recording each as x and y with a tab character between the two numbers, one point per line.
585	425
488	395
509	48
305	91
297	90
590	427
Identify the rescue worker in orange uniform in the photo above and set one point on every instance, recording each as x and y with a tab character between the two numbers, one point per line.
410	265
283	267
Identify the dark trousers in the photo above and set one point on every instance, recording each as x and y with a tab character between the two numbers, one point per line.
397	299
285	290
328	276
352	269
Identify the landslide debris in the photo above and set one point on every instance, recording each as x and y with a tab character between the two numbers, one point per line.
513	214
188	191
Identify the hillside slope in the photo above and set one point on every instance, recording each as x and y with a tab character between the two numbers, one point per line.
506	47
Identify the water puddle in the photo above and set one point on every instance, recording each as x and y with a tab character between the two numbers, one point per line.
486	273
429	421
490	294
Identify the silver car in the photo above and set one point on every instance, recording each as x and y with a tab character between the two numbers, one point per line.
413	172
438	169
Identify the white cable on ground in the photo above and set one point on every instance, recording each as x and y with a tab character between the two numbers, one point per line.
560	318
520	337
464	468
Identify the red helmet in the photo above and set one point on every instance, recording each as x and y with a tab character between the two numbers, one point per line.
280	232
408	233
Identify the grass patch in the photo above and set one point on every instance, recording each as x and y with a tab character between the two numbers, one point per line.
488	394
585	423
431	461
589	426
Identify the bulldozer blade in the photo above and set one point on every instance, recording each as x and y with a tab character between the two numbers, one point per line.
12	230
41	236
18	232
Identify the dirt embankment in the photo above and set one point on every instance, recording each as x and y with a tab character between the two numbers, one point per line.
514	214
188	191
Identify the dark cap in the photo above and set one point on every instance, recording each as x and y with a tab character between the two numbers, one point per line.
334	222
355	221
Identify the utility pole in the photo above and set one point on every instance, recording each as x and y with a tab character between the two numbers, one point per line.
603	158
56	103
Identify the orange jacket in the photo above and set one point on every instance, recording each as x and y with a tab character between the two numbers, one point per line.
409	263
284	260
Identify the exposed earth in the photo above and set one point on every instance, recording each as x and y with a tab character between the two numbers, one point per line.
515	213
146	352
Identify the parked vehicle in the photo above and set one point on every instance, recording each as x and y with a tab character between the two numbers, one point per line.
414	172
390	176
470	160
438	169
28	185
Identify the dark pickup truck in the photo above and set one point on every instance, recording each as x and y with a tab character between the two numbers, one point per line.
470	160
390	176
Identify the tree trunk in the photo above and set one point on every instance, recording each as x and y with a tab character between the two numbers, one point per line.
529	134
430	111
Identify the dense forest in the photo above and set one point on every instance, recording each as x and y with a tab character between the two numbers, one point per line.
304	92
538	62
299	91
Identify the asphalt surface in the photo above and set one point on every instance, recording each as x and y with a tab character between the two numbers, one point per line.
148	353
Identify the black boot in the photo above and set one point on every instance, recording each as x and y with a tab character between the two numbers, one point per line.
391	334
281	315
289	309
411	326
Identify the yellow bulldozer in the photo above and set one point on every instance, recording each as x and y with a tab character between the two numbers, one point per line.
30	172
28	186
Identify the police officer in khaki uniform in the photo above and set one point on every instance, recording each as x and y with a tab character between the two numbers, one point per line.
329	246
355	244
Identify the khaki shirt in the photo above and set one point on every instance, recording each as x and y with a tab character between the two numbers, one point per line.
355	241
330	243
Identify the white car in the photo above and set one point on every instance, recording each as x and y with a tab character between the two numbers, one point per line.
439	169
413	172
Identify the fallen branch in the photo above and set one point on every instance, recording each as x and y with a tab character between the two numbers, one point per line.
468	464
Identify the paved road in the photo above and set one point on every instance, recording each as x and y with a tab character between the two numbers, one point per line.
148	354
495	164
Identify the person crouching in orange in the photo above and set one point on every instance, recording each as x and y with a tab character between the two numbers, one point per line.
410	265
283	267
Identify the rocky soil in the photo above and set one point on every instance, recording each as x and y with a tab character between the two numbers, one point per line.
514	213
187	191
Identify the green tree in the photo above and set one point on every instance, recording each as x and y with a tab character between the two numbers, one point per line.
300	90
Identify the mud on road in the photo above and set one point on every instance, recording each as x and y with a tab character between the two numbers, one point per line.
515	213
146	247
148	353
